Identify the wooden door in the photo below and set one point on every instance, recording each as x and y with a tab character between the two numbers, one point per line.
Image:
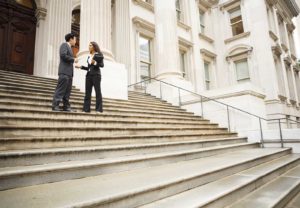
17	37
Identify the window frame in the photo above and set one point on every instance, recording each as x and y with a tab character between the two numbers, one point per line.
208	81
230	12
246	79
143	61
202	23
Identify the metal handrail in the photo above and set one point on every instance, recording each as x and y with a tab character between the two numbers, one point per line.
214	100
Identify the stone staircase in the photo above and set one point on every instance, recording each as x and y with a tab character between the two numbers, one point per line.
141	152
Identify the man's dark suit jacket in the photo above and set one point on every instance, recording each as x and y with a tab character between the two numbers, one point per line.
95	69
66	60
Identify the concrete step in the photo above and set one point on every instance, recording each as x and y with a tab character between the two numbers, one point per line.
32	85
28	81
71	122
11	131
226	190
10	112
21	75
33	81
136	187
77	102
276	193
108	110
80	96
56	155
35	142
294	203
19	176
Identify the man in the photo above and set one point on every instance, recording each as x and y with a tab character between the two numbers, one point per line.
65	74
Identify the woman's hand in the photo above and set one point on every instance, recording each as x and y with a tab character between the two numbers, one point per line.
77	65
93	61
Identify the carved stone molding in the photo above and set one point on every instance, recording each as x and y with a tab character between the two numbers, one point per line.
141	23
273	35
208	53
277	50
236	37
206	38
144	4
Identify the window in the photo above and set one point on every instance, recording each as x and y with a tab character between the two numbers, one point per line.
182	63
280	80
25	3
298	122
145	58
290	81
207	76
282	34
242	71
178	10
297	79
236	21
292	43
202	21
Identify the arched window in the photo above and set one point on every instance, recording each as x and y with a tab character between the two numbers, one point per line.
26	3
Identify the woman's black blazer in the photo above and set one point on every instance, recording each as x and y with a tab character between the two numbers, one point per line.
94	69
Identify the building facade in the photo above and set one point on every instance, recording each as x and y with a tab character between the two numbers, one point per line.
242	52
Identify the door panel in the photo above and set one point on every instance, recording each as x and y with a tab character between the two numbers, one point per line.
17	37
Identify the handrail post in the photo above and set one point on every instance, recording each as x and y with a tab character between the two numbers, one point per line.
160	90
145	87
179	97
228	118
202	112
261	134
280	132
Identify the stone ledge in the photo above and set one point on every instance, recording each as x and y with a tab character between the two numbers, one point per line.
206	38
145	5
273	35
183	25
237	37
208	53
139	22
284	47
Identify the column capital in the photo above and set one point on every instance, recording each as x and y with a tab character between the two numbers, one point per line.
40	14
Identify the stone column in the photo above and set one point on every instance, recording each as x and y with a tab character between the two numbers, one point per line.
166	44
51	35
283	68
39	40
122	34
95	25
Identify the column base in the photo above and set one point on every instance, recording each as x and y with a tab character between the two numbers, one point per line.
113	78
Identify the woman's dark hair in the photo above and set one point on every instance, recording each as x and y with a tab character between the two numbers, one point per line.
96	47
69	36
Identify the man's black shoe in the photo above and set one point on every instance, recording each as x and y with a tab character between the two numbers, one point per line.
56	108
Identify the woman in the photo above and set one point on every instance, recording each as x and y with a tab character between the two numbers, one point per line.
93	77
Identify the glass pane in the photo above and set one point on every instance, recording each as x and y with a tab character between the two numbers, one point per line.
206	70
202	25
236	19
242	71
235	13
178	4
25	3
144	69
76	16
207	85
237	28
144	49
182	62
